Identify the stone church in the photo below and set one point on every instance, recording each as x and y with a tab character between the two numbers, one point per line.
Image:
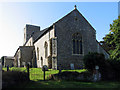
62	45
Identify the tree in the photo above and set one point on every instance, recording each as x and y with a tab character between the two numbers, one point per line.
112	40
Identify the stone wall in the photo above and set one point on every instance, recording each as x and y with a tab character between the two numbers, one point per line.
41	45
30	30
29	42
25	55
74	22
17	57
8	61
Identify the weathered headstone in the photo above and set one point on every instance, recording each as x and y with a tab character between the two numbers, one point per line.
96	74
72	66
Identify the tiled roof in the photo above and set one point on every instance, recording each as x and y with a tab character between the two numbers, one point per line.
43	32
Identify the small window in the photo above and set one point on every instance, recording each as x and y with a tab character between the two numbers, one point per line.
37	53
46	49
41	61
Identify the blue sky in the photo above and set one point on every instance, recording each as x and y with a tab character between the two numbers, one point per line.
14	16
119	8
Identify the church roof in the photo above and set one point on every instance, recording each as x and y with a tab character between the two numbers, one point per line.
9	57
42	33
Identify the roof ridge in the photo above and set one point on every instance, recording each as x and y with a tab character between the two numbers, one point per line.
65	16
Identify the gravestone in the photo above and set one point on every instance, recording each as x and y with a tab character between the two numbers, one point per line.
96	74
72	66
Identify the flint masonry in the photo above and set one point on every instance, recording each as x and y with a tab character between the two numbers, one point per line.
62	45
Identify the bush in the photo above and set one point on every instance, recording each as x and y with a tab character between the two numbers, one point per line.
93	59
114	67
13	77
109	69
72	76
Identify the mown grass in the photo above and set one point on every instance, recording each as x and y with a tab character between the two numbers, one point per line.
36	77
69	84
36	74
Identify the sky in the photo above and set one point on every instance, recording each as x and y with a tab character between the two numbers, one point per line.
119	8
14	16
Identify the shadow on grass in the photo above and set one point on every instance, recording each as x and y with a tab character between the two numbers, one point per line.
68	84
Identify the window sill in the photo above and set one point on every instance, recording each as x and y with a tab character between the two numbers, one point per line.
78	54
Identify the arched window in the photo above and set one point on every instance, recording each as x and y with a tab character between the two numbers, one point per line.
41	61
37	53
46	49
77	43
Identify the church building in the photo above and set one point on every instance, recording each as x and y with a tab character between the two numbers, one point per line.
62	45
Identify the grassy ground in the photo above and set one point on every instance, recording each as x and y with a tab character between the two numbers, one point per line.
36	77
69	84
36	74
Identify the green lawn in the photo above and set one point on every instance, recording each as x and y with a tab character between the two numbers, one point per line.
36	77
36	74
69	84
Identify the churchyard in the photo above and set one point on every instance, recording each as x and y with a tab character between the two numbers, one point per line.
37	80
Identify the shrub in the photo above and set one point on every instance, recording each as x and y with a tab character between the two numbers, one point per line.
114	67
13	77
93	59
109	69
72	76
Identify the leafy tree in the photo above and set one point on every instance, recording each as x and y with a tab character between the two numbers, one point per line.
112	40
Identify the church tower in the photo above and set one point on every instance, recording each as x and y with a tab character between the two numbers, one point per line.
29	31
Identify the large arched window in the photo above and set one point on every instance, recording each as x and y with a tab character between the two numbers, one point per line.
37	53
77	43
46	49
